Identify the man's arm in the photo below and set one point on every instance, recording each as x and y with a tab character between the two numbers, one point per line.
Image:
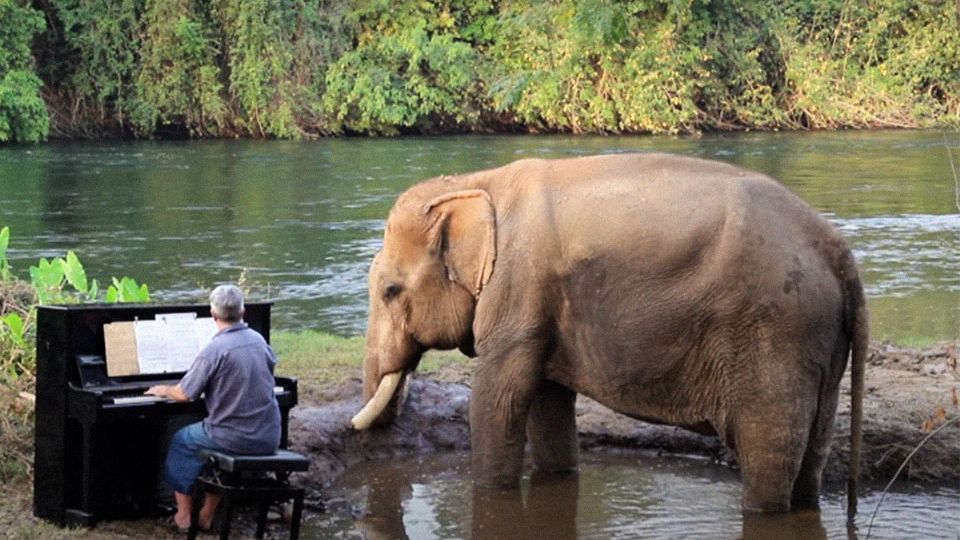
165	391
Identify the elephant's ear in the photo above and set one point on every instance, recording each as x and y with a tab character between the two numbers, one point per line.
464	231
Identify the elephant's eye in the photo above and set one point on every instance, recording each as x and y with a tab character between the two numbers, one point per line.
392	291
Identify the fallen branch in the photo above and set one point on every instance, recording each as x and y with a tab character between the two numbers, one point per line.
929	436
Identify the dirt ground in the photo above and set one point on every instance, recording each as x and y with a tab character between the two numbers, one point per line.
910	394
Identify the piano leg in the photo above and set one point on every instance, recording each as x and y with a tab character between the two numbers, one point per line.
84	516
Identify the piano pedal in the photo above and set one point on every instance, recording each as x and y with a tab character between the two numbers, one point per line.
164	509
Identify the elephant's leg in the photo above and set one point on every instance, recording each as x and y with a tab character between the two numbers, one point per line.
499	403
806	488
552	428
769	461
772	433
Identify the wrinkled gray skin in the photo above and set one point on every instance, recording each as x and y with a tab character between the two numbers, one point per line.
671	289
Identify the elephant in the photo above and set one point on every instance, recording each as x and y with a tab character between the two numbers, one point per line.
670	289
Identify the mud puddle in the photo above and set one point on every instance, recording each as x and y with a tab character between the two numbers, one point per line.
615	496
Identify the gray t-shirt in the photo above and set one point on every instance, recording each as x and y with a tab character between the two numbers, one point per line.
235	372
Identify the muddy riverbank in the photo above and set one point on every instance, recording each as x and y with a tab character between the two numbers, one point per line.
909	393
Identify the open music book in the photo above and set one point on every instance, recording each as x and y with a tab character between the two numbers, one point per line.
166	344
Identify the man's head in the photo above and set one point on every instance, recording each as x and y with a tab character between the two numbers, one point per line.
226	303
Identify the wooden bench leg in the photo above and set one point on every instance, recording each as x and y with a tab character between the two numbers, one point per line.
195	512
263	507
295	518
227	502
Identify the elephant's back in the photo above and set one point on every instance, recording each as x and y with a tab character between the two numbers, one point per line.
687	257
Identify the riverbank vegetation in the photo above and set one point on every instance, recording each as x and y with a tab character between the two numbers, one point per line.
61	280
304	68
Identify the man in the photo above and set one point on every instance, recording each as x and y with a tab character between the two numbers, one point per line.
234	372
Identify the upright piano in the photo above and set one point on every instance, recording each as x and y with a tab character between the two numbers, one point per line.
99	443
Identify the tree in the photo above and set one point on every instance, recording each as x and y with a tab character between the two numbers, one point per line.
23	113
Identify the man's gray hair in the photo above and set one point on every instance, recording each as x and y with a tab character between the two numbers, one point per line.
226	302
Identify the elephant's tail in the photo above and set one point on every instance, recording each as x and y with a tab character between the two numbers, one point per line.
858	334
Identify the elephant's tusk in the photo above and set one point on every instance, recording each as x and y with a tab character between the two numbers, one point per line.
379	401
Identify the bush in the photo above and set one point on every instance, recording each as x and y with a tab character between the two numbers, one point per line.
273	68
23	114
57	281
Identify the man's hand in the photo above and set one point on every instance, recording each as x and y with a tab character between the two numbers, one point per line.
169	392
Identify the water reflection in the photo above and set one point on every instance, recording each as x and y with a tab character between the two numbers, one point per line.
547	509
615	496
795	526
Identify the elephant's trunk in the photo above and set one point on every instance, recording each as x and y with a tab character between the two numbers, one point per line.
378	403
389	356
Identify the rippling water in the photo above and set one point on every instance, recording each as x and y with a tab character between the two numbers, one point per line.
302	220
615	496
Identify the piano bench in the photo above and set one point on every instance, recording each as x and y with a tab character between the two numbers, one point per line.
261	479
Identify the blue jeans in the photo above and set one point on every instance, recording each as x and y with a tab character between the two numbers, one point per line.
184	464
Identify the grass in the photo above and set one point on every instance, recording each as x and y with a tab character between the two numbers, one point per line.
318	359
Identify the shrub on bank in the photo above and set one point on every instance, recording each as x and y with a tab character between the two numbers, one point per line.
61	280
268	68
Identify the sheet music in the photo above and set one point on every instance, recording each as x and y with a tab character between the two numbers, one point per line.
152	346
120	343
169	343
206	328
181	335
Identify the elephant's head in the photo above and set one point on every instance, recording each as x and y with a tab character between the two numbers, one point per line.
438	253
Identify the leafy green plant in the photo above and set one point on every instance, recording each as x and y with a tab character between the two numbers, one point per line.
126	289
16	328
62	280
50	278
5	272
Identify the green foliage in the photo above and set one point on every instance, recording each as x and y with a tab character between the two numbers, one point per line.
19	26
5	271
101	42
15	329
62	280
50	279
178	82
409	79
126	289
259	53
886	63
295	68
411	68
23	114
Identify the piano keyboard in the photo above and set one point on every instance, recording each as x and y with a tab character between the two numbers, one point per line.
127	400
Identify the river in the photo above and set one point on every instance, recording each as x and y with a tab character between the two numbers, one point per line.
613	497
300	221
